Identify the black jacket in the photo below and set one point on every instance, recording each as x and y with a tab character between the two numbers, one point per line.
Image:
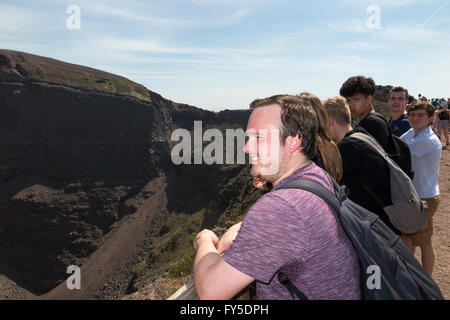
365	168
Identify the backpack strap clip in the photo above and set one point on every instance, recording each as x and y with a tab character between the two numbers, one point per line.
284	280
343	192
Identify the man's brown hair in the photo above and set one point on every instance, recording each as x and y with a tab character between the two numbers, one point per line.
421	105
297	117
399	89
338	109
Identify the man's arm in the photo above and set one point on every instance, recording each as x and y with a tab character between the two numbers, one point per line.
228	237
214	278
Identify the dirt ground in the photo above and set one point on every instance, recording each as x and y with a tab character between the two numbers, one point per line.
108	271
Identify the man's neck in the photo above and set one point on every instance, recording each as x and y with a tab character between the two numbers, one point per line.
364	115
341	131
295	164
418	131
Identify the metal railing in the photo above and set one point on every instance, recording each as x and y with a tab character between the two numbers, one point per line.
188	292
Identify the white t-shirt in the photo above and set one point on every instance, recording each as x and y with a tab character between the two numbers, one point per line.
426	152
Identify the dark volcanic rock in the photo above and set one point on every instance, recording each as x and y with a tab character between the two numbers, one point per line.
77	148
75	144
183	116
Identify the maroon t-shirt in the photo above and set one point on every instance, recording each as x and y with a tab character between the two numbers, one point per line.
296	231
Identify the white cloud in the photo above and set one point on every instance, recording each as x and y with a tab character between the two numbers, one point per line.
158	46
233	2
225	19
19	19
408	33
364	45
355	26
388	3
112	10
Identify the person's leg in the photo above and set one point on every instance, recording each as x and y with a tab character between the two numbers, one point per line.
423	238
440	131
428	257
409	243
446	135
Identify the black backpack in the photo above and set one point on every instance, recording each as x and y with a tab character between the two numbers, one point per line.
398	150
407	213
400	275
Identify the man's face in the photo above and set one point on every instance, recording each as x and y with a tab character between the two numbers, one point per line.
419	120
360	105
267	155
397	102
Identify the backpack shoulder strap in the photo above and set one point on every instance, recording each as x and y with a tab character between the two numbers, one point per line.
293	290
319	190
370	141
393	149
377	147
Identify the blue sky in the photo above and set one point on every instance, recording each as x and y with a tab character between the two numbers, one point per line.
222	54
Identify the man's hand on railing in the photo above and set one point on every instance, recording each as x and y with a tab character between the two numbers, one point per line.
207	235
227	239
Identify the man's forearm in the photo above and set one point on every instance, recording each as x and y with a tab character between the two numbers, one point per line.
214	278
207	256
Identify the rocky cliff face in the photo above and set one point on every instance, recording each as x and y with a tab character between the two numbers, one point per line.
80	150
76	144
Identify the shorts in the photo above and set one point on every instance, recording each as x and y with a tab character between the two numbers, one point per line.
422	238
442	124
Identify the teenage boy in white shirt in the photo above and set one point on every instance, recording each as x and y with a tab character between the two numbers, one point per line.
426	152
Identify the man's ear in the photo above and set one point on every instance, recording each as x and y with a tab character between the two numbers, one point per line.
330	123
293	143
369	99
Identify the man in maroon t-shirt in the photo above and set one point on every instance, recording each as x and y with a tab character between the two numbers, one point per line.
290	230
